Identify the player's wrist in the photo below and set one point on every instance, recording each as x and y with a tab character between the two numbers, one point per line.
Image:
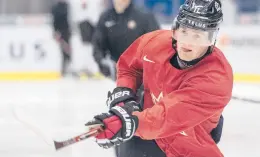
129	121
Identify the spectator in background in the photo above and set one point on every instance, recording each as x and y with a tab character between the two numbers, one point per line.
116	30
84	18
247	6
160	6
248	11
62	32
163	9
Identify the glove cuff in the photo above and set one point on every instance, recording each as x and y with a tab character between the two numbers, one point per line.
120	94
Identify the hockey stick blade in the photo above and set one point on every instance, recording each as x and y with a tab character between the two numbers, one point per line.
31	125
94	130
246	99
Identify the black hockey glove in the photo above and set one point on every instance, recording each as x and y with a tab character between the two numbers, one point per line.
120	94
119	124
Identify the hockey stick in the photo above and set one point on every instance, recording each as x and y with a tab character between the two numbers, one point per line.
31	125
94	130
246	100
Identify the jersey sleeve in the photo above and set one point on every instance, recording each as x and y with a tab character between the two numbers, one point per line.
130	63
196	101
130	66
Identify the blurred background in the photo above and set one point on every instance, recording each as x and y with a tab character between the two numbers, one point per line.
29	50
239	11
31	75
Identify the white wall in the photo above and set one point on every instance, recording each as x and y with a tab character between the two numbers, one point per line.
36	51
241	46
33	47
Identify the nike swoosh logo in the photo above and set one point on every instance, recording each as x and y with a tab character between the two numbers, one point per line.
148	60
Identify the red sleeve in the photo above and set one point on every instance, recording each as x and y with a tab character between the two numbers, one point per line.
129	66
130	63
195	101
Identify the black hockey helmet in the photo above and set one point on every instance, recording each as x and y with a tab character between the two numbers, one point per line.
200	14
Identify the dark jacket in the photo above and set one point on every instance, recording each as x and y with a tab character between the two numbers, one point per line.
60	17
115	32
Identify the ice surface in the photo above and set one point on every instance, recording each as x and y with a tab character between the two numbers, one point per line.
59	109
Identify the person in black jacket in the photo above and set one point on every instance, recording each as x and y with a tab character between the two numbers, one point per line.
116	30
62	32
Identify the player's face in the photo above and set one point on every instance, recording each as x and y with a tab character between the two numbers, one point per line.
191	44
189	52
121	5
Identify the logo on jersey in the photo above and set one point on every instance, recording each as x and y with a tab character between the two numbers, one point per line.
110	23
131	24
148	60
157	99
183	133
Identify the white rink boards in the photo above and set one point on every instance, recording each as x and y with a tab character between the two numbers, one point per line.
60	108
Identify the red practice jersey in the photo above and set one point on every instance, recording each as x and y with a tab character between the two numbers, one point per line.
181	107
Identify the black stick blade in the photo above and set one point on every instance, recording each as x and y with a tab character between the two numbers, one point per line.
58	145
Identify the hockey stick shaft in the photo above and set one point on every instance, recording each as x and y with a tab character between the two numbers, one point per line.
93	132
31	125
246	99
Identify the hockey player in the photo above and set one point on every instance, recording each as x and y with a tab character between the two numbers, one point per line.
116	30
187	83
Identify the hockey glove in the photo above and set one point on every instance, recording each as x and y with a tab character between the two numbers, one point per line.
120	94
119	124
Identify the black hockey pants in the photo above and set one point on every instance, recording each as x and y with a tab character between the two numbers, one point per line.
65	50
